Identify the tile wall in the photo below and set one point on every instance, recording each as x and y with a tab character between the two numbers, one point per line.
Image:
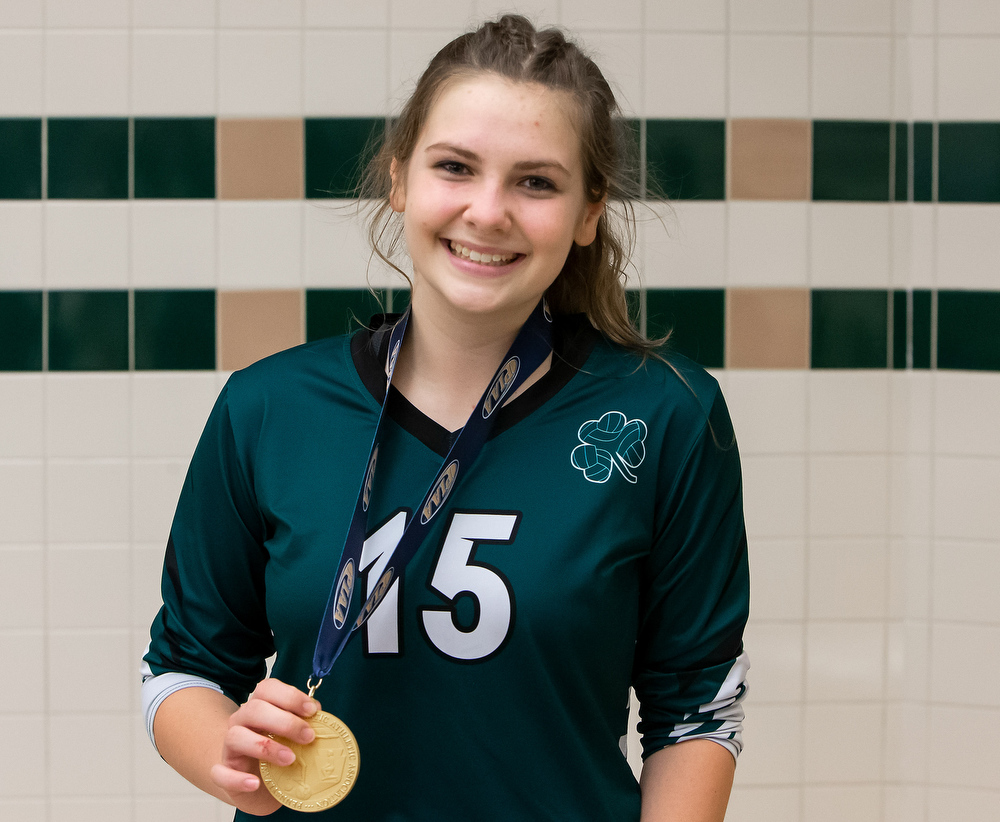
174	203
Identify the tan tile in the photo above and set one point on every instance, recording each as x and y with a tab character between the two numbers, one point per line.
261	159
770	159
768	328
254	324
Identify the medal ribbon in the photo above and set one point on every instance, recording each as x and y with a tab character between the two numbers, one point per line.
529	350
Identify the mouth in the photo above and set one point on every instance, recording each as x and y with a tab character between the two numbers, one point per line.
483	258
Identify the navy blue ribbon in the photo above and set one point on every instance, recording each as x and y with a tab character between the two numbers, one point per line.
531	346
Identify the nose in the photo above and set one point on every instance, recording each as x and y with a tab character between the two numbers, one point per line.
488	208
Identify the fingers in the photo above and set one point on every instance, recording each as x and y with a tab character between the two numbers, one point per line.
233	781
267	718
285	696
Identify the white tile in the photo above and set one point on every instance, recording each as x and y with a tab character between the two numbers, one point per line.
201	808
410	51
852	16
87	415
174	13
144	587
916	16
859	803
86	73
968	245
337	252
90	671
913	79
912	404
913	230
680	15
542	13
22	498
848	579
22	71
22	586
87	501
22	13
768	75
260	74
27	810
848	496
105	738
23	764
156	485
86	244
850	244
259	14
23	655
597	14
851	77
768	244
910	495
776	650
90	810
966	491
909	578
845	661
965	664
687	248
843	743
968	17
20	241
88	586
169	412
619	57
908	662
848	411
439	15
756	804
964	582
260	245
962	747
346	73
774	495
965	413
347	13
702	93
773	752
173	244
777	571
95	14
22	411
768	410
949	804
905	803
769	15
173	73
906	742
967	69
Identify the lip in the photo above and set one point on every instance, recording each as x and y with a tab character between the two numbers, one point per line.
479	268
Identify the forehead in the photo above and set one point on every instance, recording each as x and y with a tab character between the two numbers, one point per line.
489	113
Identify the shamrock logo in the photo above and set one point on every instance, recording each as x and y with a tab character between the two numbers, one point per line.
613	440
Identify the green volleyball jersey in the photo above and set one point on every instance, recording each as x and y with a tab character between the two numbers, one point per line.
596	543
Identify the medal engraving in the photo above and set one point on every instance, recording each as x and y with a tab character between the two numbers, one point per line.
324	771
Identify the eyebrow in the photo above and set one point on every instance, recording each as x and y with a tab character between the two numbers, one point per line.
525	165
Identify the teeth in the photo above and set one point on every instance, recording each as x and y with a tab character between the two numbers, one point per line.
484	259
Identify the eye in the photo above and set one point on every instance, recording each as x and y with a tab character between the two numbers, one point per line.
538	184
453	167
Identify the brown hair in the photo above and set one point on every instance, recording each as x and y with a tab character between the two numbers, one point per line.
593	278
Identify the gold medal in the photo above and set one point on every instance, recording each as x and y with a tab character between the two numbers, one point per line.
324	771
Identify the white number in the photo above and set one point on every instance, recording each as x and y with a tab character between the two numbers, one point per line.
455	575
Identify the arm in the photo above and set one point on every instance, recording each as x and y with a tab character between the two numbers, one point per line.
687	782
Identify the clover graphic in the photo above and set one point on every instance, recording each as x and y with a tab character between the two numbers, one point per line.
613	440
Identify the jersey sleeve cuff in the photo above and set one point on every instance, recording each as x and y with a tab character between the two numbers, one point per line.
157	687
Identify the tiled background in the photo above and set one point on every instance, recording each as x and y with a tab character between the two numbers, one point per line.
167	175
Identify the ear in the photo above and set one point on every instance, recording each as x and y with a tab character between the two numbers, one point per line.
586	231
397	191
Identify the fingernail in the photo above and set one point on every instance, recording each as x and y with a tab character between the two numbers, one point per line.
308	735
310	707
286	758
251	783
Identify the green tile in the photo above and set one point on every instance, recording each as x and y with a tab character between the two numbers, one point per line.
686	159
967	336
175	157
398	299
851	160
697	318
175	330
918	139
20	330
337	149
88	158
20	159
911	319
850	329
334	311
631	139
969	162
633	298
88	331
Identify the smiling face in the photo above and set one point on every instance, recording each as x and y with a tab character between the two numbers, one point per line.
493	198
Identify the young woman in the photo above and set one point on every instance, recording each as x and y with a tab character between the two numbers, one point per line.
571	500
